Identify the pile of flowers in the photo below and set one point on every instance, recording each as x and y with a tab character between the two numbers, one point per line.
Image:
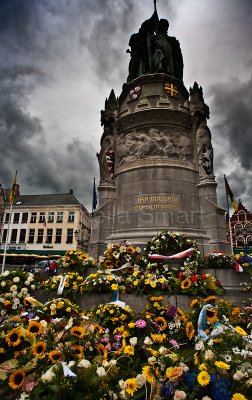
217	260
245	261
118	255
197	284
76	261
73	285
14	287
101	282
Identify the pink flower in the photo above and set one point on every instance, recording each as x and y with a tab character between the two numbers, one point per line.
174	343
140	323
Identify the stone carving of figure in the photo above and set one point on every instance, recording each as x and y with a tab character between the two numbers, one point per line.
185	147
166	145
204	149
166	52
105	157
126	148
147	143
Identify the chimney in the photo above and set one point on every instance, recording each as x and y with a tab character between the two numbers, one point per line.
71	191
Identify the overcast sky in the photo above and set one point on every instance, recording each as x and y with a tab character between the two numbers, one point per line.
59	60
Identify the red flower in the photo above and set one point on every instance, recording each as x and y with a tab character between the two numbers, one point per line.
180	275
194	278
203	276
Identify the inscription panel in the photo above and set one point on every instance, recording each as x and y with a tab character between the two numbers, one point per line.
157	202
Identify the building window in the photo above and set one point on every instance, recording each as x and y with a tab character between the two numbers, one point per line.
51	216
7	218
40	235
241	216
71	216
49	236
58	235
24	218
22	235
33	217
240	241
4	236
238	229
14	235
248	228
60	216
31	235
69	236
249	242
16	218
42	217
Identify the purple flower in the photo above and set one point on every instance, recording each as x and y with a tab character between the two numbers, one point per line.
140	323
118	337
174	343
105	340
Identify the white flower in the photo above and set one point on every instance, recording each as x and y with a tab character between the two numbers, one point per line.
179	395
152	360
84	363
24	290
123	395
112	362
209	354
210	342
33	287
133	341
200	345
16	279
24	396
236	350
3	283
140	380
6	273
122	384
43	323
228	358
184	367
48	375
147	340
71	364
100	371
27	282
13	288
163	350
239	375
206	398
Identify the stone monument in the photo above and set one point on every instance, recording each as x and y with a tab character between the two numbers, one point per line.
156	156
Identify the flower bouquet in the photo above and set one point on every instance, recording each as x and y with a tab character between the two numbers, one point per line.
76	261
118	255
217	260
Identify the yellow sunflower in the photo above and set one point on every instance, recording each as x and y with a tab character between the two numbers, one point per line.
35	327
189	330
161	323
193	303
241	331
13	338
38	349
102	350
209	298
77	331
129	350
107	263
16	379
236	311
131	386
77	350
97	328
55	356
186	283
238	396
212	315
203	378
147	372
180	314
222	365
131	250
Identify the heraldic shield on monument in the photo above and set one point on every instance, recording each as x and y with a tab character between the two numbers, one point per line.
156	154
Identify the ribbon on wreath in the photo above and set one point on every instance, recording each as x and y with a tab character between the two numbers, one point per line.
202	324
176	256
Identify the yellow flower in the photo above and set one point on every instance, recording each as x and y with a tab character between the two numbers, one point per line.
147	372
13	338
203	367
222	365
131	386
68	309
102	350
185	284
236	311
173	373
239	330
60	304
212	315
129	350
189	330
203	378
38	349
114	286
35	327
110	278
209	298
16	379
123	317
135	283
131	325
158	337
193	303
238	396
77	331
161	322
55	356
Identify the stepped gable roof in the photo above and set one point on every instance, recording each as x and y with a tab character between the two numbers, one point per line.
240	207
46	200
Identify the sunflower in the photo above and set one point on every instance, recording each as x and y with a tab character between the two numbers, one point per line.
77	331
55	356
129	350
35	327
38	349
131	250
186	283
102	350
180	314
193	303
13	338
241	331
131	386
212	315
77	351
161	323
222	365
16	379
107	263
118	263
189	330
238	396
97	328
209	298
203	378
147	372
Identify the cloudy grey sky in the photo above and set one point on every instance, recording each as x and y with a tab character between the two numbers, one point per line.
59	60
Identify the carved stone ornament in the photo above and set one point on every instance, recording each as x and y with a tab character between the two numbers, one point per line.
135	93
